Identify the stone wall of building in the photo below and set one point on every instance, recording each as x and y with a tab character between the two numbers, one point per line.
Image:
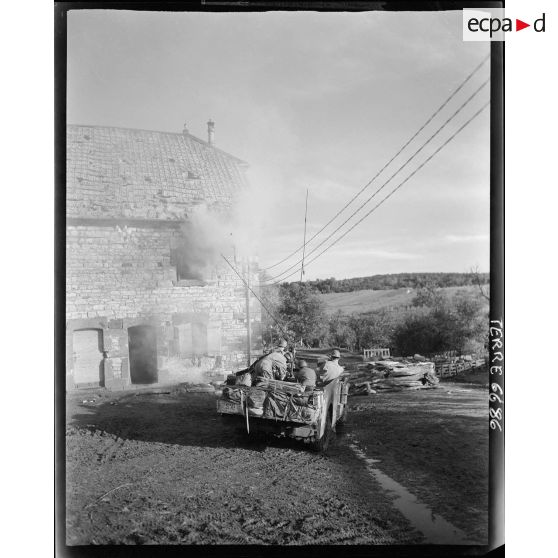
120	277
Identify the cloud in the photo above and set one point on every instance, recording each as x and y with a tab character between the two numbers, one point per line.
375	253
466	238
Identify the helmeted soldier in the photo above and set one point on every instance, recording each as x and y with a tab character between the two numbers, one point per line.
274	365
331	368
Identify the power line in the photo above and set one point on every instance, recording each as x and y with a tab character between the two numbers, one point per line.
389	179
452	95
463	105
394	190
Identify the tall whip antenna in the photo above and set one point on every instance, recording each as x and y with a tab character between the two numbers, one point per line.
304	243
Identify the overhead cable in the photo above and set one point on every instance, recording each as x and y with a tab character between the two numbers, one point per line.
448	120
393	191
434	114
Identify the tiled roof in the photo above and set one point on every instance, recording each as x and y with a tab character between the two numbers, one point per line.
141	174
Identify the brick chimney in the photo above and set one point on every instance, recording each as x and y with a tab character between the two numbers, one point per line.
210	132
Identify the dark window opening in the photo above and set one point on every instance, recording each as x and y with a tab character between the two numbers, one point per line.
189	266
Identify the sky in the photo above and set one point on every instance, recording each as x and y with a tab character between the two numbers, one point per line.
317	101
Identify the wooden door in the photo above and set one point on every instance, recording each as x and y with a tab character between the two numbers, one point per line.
88	358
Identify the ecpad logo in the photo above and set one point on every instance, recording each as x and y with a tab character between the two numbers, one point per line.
492	25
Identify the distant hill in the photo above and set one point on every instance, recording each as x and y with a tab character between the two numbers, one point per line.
397	281
363	301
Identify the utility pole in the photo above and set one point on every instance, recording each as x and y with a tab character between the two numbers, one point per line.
303	246
248	324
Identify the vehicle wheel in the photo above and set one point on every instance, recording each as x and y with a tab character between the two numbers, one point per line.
322	444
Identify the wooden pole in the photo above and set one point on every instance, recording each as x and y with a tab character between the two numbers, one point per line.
248	324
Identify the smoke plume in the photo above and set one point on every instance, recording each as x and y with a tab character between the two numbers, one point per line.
208	233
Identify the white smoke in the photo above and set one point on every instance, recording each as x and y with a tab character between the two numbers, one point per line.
235	233
183	370
204	237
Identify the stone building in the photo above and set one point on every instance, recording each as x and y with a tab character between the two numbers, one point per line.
135	311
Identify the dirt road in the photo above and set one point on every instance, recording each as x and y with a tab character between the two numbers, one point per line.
163	468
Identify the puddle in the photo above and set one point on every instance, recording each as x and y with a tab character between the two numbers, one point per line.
434	527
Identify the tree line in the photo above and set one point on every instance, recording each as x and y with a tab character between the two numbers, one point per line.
398	281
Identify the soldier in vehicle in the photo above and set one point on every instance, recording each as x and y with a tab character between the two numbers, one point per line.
331	368
305	375
290	358
274	365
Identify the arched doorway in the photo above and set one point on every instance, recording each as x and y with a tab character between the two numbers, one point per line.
142	346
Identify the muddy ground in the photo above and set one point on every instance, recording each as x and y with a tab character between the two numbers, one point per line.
163	468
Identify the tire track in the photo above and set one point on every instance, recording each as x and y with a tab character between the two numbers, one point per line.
212	487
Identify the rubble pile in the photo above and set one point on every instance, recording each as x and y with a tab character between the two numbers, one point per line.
392	375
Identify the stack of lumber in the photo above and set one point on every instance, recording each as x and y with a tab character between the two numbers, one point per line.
391	375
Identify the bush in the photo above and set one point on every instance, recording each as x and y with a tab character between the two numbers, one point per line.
303	312
460	324
374	329
341	333
434	324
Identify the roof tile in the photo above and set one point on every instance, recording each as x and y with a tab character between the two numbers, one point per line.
142	174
